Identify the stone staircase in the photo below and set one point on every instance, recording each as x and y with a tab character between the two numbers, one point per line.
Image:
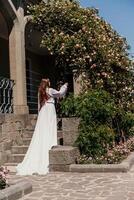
61	156
18	151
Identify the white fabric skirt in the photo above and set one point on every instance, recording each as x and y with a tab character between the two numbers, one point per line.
36	159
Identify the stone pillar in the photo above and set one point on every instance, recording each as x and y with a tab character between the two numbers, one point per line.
70	130
77	87
17	63
61	157
77	82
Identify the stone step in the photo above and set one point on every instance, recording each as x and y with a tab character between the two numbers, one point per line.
10	164
60	157
19	149
30	128
31	122
26	141
23	148
11	168
16	158
29	133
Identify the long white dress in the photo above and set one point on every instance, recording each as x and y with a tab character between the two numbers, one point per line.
44	137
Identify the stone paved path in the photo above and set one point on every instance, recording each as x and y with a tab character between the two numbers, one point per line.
85	186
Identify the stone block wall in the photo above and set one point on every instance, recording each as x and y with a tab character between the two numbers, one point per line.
62	157
70	130
12	129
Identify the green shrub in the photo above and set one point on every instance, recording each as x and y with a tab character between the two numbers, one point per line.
112	156
102	124
94	141
68	106
123	124
96	106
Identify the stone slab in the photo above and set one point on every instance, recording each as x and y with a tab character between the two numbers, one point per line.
16	191
85	168
70	130
80	186
59	168
69	137
70	124
63	155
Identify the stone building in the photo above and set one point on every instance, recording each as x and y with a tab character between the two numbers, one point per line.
22	65
22	59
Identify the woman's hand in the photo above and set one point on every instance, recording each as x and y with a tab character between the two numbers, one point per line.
66	84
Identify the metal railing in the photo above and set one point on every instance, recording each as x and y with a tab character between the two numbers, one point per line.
33	80
6	95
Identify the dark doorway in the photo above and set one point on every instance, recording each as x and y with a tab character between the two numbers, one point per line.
4	48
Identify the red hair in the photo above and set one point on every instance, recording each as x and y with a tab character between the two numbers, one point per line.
43	96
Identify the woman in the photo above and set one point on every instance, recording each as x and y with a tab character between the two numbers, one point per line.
45	134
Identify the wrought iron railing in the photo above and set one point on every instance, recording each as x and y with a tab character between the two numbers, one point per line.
33	81
6	95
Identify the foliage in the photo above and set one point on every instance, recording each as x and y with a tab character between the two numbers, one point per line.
96	106
130	143
123	124
95	141
69	105
80	39
84	43
113	156
96	110
3	177
103	123
90	105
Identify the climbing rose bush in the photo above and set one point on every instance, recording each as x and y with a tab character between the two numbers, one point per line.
79	39
83	43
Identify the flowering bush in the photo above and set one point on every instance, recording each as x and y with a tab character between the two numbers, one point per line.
113	156
78	38
3	177
117	154
130	144
102	124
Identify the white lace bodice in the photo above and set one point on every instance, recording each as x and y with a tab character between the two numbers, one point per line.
56	93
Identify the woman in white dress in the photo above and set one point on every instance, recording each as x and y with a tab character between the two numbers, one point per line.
36	159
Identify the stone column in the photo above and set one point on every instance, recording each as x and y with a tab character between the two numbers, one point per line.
77	81
17	63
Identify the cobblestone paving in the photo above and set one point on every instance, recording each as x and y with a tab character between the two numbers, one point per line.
81	186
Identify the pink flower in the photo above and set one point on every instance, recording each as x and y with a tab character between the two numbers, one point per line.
93	66
104	74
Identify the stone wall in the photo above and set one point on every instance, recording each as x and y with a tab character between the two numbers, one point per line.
15	128
12	129
70	130
62	157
